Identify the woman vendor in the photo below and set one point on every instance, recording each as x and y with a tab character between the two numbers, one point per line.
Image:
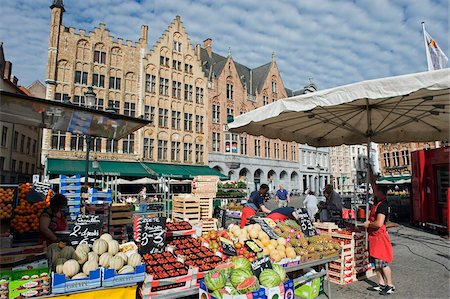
255	204
283	214
53	219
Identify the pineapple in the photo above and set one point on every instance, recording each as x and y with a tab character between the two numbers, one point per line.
277	230
294	242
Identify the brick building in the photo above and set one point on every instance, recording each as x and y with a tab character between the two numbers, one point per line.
165	85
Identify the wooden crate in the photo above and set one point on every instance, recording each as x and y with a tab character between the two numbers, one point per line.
120	214
186	208
326	227
208	225
206	208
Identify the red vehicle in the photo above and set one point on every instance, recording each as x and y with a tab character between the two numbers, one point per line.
430	188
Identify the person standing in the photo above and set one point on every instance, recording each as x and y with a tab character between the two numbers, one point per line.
254	204
380	247
282	197
332	209
53	219
310	203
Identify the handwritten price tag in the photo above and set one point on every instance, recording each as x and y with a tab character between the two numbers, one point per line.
260	264
151	233
85	230
305	223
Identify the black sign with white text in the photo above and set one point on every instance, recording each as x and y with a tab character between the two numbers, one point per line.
266	228
305	222
152	234
85	230
228	247
260	264
38	192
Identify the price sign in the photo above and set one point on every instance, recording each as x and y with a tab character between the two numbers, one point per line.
266	228
260	264
151	233
85	230
305	222
228	247
38	192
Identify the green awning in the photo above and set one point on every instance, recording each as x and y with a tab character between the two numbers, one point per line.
131	169
394	179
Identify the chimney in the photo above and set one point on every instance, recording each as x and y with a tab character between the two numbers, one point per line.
197	50
144	34
207	44
15	80
8	70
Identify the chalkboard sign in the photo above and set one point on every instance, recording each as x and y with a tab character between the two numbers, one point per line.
86	230
220	214
38	192
151	233
266	228
228	247
260	264
305	222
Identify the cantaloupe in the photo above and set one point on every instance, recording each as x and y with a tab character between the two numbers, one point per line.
113	247
134	260
116	263
92	256
254	233
126	269
60	268
123	256
83	247
107	237
100	246
67	252
79	276
80	256
89	266
105	259
71	267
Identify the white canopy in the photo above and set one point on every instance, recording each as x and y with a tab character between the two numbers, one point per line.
144	181
121	182
406	108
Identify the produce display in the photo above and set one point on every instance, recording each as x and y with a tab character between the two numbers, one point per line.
164	265
177	226
6	201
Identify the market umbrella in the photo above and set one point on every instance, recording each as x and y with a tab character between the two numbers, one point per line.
144	181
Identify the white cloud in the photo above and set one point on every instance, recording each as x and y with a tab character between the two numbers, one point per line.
334	42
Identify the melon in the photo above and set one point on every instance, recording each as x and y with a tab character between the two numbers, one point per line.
254	233
217	294
71	267
225	268
269	278
113	247
80	256
67	252
100	246
79	276
281	241
105	259
239	275
60	268
123	256
116	263
126	269
134	260
83	247
242	263
106	237
92	256
280	271
248	285
214	280
89	266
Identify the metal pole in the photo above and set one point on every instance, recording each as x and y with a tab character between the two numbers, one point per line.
88	142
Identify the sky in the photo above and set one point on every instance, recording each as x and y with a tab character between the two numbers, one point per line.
330	42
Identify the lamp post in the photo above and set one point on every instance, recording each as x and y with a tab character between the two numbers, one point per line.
95	167
89	99
319	188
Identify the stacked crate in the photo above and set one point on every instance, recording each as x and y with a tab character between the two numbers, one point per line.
120	217
186	207
342	270
99	209
205	188
70	187
363	267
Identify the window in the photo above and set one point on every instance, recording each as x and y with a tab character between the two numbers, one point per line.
13	165
188	122
22	143
304	157
20	170
129	109
216	114
199	95
243	145
149	114
176	117
78	100
294	152
115	104
27	167
277	150
128	144
230	112
98	80
215	142
187	157
162	120
188	68
32	168
34	146
4	136
199	153
265	100
100	57
28	148
148	148
58	140
176	89
61	97
267	149
177	46
150	83
274	87
188	92
175	153
15	140
176	65
2	163
405	156
164	86
257	148
199	124
229	91
76	142
387	159
96	144
112	146
114	83
285	151
396	158
99	104
81	77
164	61
231	143
162	150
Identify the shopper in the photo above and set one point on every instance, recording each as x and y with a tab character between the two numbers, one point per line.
380	247
332	208
255	204
310	203
142	195
53	219
282	197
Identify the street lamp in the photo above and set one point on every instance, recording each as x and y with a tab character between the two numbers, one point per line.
89	99
95	167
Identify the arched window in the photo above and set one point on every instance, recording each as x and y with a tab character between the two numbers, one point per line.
229	88
116	57
63	74
83	50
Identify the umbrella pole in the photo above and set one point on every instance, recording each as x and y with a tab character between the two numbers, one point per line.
369	141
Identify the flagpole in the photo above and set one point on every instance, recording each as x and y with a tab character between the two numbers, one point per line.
427	52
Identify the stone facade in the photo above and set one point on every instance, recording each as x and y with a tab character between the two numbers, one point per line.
137	82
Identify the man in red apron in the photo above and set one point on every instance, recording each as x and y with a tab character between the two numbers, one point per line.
380	247
254	204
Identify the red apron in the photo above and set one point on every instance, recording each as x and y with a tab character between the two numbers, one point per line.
246	213
277	216
379	243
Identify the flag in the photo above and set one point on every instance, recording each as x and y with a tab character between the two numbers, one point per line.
436	58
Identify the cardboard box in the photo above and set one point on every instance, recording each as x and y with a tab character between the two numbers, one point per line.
308	290
259	294
62	285
29	283
152	287
110	278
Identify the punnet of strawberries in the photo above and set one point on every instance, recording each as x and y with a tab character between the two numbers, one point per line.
177	226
